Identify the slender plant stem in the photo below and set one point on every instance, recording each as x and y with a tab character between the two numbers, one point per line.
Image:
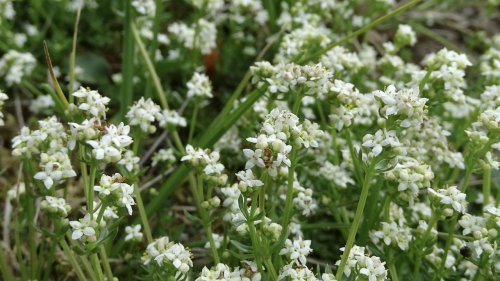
418	262
94	260
105	263
194	116
127	86
72	260
90	187
6	272
72	57
150	67
142	214
486	186
288	201
357	219
199	197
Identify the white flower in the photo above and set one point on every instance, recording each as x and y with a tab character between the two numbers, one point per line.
116	192
145	7
56	206
297	250
392	233
143	113
133	233
218	272
14	66
130	161
3	98
247	179
199	86
84	230
451	197
379	140
405	35
171	118
92	102
167	253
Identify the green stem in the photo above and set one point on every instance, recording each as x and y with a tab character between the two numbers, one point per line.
270	268
193	121
392	267
357	219
6	271
287	215
94	260
105	263
150	67
72	58
486	186
72	260
90	187
206	219
142	214
255	244
127	85
416	269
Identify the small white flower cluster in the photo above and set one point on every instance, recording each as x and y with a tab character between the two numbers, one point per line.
145	7
382	139
92	103
393	233
112	144
85	229
201	36
297	250
312	80
56	167
281	129
143	113
208	162
42	104
484	230
171	118
240	9
14	66
133	233
405	36
247	179
370	267
351	107
299	41
3	98
163	155
55	206
411	176
428	144
490	64
336	173
405	104
49	143
169	254
340	61
114	192
303	200
448	68
222	272
296	272
449	197
199	86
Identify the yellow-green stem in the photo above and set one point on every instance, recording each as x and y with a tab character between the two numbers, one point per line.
105	263
357	219
142	214
72	260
